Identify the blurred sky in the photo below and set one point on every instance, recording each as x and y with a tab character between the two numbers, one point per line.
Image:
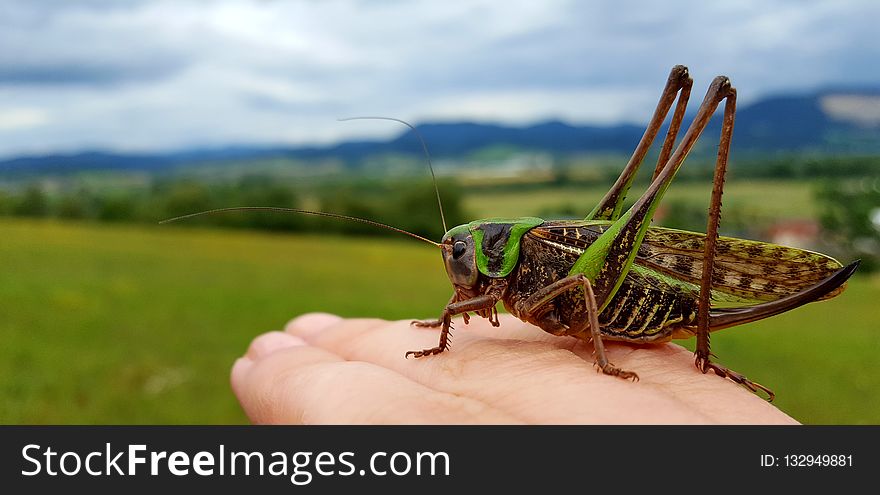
166	75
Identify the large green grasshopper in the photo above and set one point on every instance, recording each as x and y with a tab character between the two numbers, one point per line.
613	275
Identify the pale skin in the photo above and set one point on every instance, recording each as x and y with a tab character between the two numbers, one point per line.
323	369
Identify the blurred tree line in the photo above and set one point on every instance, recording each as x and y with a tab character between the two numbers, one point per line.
849	205
851	215
410	206
571	171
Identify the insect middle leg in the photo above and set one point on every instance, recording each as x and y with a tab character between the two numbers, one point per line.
529	306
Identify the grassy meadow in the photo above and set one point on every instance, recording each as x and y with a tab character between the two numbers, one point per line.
141	325
124	324
761	199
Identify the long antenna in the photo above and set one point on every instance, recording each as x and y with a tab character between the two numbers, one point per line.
424	148
304	212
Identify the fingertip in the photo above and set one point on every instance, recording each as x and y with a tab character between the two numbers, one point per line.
271	342
238	375
310	324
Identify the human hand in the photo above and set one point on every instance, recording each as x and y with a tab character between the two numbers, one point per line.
325	369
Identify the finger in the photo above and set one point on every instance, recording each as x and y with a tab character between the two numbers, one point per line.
303	384
270	342
311	323
536	381
240	369
260	347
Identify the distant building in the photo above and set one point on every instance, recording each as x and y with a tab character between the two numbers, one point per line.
802	234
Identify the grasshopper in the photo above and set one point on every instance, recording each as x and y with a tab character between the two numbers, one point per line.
614	276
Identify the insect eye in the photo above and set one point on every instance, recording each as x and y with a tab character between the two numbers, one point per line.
458	249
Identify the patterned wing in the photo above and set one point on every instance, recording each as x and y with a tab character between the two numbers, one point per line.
746	272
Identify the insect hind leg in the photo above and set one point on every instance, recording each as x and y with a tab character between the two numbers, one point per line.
702	352
679	83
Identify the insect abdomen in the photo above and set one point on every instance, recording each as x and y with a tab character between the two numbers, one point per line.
645	314
642	310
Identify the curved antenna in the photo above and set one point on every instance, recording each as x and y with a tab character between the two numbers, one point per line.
304	212
424	148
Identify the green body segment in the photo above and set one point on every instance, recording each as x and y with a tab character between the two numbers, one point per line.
607	261
592	260
456	232
497	243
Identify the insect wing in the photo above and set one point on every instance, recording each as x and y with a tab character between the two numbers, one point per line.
746	272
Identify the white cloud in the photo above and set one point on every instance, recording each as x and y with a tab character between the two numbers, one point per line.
12	119
598	106
168	74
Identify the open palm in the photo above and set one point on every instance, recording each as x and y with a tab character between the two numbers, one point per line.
324	369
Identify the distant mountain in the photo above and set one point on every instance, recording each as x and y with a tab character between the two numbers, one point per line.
457	139
830	121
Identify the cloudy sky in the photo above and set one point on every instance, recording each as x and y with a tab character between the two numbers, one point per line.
165	75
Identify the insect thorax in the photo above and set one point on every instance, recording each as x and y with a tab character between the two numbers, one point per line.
640	311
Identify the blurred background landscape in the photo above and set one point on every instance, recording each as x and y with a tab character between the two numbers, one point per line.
115	115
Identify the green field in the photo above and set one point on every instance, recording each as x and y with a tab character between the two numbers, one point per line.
763	199
110	324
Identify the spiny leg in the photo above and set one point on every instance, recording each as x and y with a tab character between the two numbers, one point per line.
446	327
702	353
485	301
710	247
610	207
527	307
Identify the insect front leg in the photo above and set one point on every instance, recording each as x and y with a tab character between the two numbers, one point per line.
439	322
529	306
482	302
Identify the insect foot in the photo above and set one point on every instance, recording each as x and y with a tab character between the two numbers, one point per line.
425	352
704	365
610	369
442	346
426	323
